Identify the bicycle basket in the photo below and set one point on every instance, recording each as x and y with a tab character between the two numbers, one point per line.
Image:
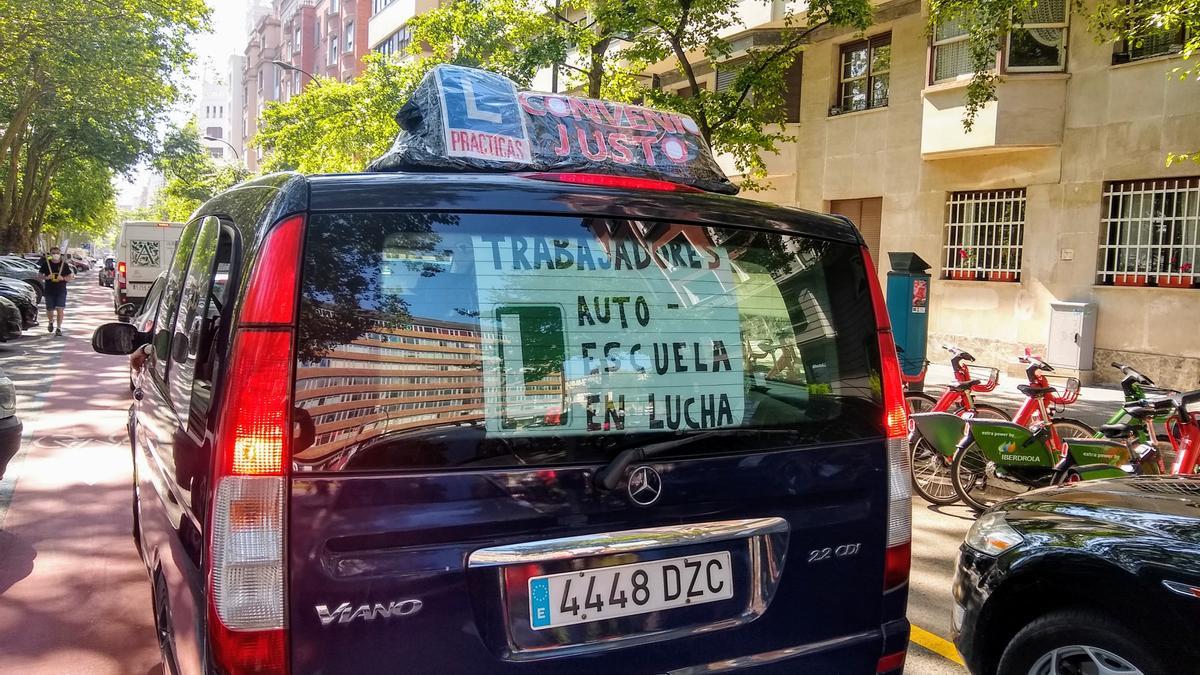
988	377
1068	390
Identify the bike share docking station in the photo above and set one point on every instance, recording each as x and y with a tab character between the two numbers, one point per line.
908	309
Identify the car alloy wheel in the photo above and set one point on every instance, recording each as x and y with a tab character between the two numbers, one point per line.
1081	660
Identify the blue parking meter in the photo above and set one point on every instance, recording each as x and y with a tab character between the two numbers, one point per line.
908	308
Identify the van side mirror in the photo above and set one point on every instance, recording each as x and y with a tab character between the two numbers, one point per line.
127	310
115	338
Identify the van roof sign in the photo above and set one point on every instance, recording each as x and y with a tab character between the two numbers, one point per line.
465	119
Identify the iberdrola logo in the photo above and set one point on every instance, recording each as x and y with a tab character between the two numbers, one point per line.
1008	450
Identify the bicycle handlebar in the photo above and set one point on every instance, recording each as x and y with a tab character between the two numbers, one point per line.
1129	371
957	357
1035	364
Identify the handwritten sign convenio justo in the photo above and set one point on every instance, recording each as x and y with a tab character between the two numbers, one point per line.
473	120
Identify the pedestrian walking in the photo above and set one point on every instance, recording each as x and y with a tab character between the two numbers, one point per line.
56	272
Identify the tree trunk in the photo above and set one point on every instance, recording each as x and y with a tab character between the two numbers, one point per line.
20	117
596	67
690	73
35	179
9	199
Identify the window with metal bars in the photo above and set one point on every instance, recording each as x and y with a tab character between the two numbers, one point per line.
984	233
1150	233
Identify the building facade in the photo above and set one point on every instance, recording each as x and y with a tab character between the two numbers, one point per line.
388	31
1059	192
236	93
428	373
260	78
325	38
213	110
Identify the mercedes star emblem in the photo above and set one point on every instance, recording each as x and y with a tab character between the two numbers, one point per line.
645	486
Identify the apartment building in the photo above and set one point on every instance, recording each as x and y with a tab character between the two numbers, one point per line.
384	382
326	38
236	92
213	111
388	31
1059	192
261	80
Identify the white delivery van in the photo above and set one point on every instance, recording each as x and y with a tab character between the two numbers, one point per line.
144	249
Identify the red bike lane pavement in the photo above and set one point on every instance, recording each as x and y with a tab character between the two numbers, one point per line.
74	596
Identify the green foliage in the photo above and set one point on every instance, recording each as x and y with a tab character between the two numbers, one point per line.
605	45
338	126
745	119
511	37
988	21
191	176
82	204
83	83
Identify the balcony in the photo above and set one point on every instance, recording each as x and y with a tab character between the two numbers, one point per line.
1028	113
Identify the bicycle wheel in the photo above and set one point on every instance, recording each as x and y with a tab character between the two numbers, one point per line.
975	480
918	402
1068	427
931	474
991	412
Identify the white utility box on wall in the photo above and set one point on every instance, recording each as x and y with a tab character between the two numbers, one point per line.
1072	338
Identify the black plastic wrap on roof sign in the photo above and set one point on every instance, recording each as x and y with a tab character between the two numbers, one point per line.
465	119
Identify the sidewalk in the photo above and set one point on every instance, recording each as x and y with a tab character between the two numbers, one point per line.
73	593
1095	405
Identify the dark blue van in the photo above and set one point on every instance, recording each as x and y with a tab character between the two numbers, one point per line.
538	423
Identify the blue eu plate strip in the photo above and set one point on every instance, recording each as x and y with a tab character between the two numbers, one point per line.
539	603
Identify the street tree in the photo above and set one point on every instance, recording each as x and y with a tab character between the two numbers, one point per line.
338	126
81	206
604	47
191	176
82	84
987	22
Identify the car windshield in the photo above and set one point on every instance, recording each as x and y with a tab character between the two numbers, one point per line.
453	339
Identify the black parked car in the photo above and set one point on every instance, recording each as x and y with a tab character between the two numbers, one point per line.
10	320
10	424
1088	578
24	297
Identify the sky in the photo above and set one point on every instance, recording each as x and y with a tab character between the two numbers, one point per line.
227	36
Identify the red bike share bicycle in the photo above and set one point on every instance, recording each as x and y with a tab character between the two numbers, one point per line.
930	468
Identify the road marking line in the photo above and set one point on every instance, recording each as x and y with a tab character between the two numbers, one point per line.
935	643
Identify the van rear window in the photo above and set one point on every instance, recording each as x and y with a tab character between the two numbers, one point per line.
439	340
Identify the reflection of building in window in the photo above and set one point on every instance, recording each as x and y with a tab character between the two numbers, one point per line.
392	379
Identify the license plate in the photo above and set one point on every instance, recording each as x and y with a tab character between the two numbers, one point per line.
138	289
622	590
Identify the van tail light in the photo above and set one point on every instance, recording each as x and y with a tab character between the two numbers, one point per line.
121	274
604	180
899	529
891	663
247	608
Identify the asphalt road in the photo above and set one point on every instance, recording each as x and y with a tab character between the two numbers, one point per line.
73	594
